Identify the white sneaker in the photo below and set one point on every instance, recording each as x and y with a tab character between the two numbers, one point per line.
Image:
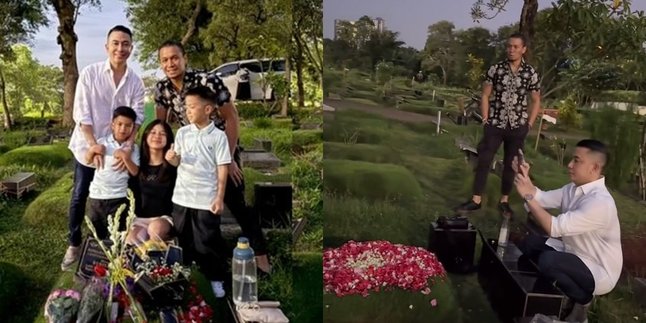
71	256
218	289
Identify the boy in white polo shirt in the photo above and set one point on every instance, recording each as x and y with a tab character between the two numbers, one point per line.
202	152
109	187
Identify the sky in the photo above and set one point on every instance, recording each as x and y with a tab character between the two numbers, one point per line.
411	18
92	28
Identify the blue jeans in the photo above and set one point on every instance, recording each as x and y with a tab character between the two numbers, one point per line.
83	176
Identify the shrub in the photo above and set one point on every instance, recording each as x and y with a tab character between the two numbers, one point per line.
369	180
301	139
262	123
56	155
50	208
620	131
252	110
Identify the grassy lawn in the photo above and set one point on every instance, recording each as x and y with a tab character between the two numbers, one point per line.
358	209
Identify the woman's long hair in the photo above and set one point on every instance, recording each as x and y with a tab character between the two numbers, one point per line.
145	150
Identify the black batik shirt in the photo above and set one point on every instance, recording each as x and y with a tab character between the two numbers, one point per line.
167	97
509	100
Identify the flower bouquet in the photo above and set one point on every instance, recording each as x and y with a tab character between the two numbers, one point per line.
62	305
196	310
119	277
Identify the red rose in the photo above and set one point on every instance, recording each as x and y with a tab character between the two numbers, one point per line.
100	270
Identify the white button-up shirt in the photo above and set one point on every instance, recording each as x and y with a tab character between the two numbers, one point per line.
108	183
96	98
588	227
201	151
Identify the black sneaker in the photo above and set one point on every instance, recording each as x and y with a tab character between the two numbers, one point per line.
467	206
505	209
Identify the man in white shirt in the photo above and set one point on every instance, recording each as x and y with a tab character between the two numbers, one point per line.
101	88
587	260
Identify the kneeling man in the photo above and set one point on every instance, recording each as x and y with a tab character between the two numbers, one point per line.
587	260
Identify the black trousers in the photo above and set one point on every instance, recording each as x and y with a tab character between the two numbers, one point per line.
99	211
199	235
513	140
246	217
572	276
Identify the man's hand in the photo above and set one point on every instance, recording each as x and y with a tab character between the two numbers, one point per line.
217	206
97	160
235	173
524	167
98	149
524	185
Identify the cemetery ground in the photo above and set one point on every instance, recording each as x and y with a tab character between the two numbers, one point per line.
388	176
33	230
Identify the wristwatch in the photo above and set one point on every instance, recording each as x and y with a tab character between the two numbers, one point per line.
528	197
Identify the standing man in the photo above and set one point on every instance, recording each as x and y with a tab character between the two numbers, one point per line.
170	93
101	88
587	260
506	118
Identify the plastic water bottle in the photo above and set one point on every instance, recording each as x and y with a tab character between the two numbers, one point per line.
245	282
504	232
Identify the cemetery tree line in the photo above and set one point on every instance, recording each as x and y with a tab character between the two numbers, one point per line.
212	32
585	46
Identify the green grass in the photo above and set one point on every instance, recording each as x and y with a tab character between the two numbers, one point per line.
387	306
370	180
56	155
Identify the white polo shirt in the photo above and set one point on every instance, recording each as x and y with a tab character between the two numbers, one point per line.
588	227
201	151
108	183
95	100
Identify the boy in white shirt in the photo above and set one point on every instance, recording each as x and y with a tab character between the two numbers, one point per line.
109	187
202	152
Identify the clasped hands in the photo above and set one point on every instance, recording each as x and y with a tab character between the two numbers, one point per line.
120	155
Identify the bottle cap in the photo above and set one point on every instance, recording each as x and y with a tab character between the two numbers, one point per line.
243	243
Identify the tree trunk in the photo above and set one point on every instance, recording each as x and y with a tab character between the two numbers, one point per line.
299	80
67	38
5	107
444	76
285	99
527	17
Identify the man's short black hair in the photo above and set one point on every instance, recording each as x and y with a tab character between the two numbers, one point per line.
595	146
124	111
120	28
204	93
519	36
171	43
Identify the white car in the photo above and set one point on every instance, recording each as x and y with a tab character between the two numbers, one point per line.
244	79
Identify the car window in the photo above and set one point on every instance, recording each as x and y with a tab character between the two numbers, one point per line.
227	70
253	67
278	65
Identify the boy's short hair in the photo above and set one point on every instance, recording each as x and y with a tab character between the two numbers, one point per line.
203	92
122	29
124	111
